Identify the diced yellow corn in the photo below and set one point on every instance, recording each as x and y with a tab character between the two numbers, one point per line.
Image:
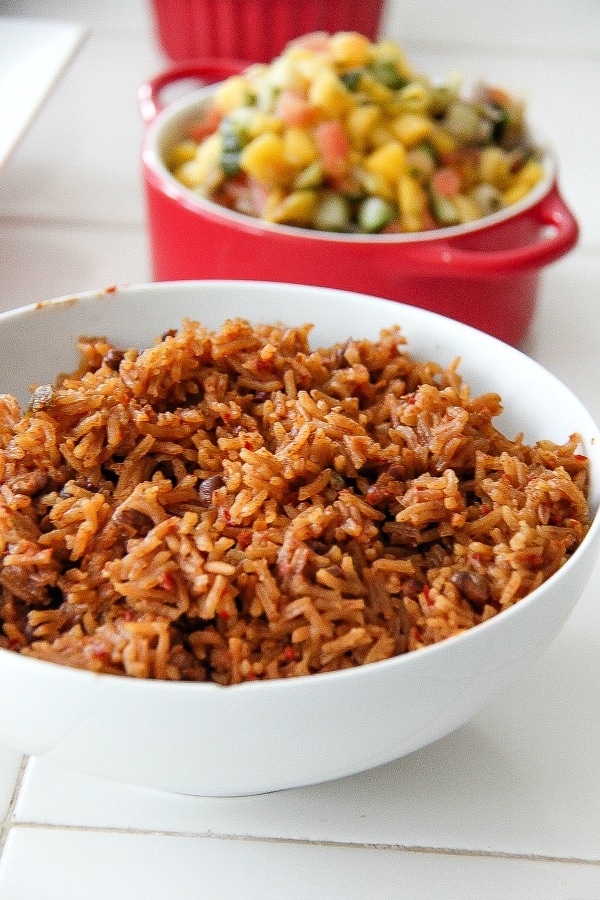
527	178
311	177
442	140
377	186
194	172
386	49
299	147
285	71
259	122
296	208
531	173
329	94
515	193
350	49
389	161
306	68
414	98
494	167
360	123
412	203
465	207
380	136
181	153
376	91
263	158
412	128
232	93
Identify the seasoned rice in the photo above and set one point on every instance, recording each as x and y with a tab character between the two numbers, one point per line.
231	505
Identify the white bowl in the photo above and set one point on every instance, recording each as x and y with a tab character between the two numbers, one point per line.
262	736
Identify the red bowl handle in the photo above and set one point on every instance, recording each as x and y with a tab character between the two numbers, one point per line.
443	257
200	71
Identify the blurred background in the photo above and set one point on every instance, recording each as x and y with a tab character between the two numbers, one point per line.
71	208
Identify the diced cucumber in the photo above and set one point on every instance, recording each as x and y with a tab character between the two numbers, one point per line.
351	78
443	209
374	214
232	135
386	72
332	213
230	162
488	198
311	177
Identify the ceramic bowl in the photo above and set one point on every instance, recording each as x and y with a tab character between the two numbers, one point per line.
485	273
203	739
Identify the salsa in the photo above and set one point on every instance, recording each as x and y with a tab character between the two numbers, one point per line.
341	134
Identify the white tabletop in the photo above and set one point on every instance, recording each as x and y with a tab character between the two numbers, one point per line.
509	805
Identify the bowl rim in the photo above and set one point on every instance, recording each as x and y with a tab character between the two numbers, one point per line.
183	109
447	645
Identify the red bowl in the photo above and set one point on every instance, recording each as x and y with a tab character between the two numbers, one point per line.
255	30
484	273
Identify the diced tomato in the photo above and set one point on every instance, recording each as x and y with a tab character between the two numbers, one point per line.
236	188
465	161
498	96
259	194
316	41
167	582
446	182
334	148
205	126
293	108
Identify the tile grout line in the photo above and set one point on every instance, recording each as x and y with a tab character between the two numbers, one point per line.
306	842
16	221
6	823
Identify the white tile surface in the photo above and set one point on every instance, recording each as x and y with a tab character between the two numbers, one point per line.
484	787
536	26
42	262
70	865
90	170
565	335
10	766
33	55
509	805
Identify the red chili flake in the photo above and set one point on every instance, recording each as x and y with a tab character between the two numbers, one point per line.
375	495
427	592
555	519
110	290
244	539
98	649
477	558
580	457
224	614
486	508
289	653
226	515
251	676
534	559
248	445
411	400
168	582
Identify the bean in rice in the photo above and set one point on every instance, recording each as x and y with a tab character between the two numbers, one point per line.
231	505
